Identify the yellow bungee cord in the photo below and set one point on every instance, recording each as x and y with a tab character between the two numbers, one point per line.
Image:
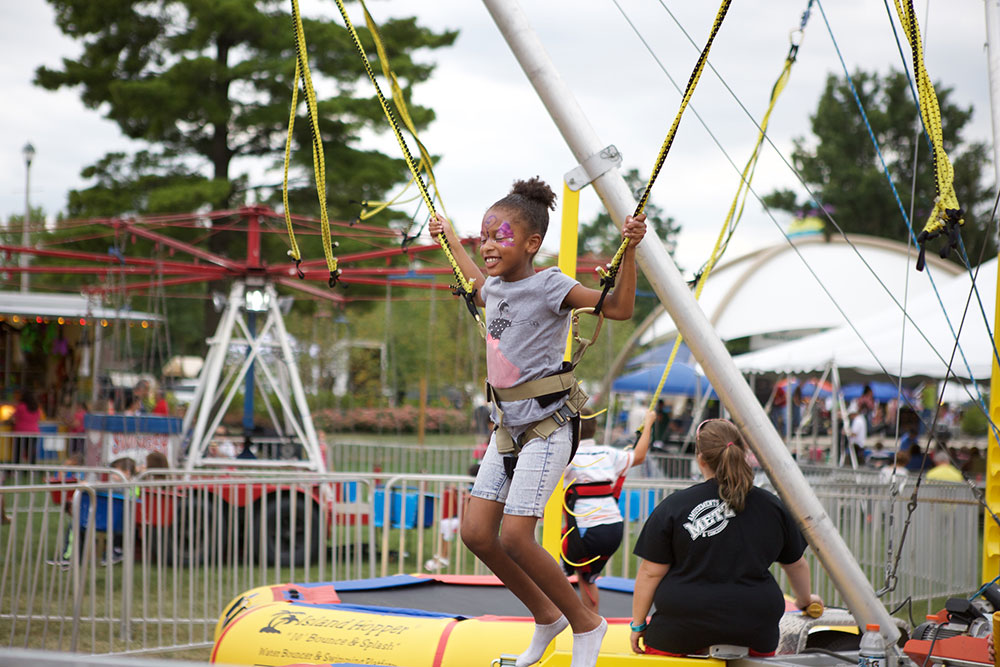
608	275
319	161
947	215
733	217
463	287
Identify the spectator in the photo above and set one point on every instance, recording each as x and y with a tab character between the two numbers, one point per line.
895	471
916	463
140	397
161	407
797	402
706	553
857	433
866	403
909	439
75	426
976	465
778	410
156	460
943	470
26	418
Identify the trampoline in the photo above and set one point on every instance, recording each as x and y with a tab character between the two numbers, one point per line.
427	621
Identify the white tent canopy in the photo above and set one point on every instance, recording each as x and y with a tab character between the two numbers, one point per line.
788	288
927	340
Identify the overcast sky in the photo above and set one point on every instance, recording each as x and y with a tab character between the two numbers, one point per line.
491	128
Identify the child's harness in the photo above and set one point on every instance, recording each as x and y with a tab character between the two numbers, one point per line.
546	390
573	550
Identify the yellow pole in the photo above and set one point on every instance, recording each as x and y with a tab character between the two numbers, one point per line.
552	521
991	532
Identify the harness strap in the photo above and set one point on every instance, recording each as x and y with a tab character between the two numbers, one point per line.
569	411
592	490
534	388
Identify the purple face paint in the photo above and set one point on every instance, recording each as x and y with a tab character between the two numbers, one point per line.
505	235
484	233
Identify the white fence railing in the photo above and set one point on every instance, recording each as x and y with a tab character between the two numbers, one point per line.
99	564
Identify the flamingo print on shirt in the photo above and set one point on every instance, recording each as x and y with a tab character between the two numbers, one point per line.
499	370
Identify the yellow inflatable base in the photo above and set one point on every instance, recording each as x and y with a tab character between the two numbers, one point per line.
278	633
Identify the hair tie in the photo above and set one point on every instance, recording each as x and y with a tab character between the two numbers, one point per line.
729	444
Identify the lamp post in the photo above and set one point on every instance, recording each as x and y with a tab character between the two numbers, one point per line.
29	154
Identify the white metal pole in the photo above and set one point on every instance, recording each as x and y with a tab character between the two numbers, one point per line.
311	442
213	374
29	154
692	323
993	53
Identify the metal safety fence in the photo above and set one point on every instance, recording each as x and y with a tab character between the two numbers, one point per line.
96	563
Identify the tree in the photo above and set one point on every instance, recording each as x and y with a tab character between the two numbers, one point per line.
205	82
841	167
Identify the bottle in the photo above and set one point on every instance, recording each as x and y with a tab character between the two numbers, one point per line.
871	651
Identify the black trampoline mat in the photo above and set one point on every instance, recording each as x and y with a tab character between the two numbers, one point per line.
465	600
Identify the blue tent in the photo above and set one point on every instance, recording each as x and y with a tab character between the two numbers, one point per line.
883	391
683	379
659	355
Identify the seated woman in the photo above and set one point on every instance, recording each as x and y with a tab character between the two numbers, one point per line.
705	556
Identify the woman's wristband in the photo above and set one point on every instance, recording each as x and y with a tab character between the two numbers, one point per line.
638	628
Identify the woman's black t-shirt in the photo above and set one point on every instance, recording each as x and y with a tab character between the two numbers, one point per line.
718	589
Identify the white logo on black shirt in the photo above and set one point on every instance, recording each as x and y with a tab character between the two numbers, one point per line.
708	518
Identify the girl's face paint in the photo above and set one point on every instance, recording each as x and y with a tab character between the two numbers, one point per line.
500	230
505	235
504	254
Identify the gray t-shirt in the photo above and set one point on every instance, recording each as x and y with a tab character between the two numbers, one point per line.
526	327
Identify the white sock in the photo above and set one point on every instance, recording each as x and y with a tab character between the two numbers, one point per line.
544	634
587	646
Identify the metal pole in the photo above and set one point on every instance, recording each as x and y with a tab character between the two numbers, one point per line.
993	62
311	441
692	323
23	260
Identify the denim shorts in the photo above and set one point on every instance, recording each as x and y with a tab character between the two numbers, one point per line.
540	465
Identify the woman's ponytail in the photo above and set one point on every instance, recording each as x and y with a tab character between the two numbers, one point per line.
724	451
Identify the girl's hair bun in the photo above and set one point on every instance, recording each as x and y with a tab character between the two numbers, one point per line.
536	190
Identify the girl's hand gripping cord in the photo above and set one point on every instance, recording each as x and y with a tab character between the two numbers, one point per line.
634	229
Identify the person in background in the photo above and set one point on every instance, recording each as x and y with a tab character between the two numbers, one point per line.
140	397
976	464
909	439
26	419
75	426
156	460
125	465
67	477
161	407
706	555
857	433
917	459
895	470
593	480
866	404
661	427
943	470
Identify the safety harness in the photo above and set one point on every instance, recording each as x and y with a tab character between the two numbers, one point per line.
572	542
546	391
